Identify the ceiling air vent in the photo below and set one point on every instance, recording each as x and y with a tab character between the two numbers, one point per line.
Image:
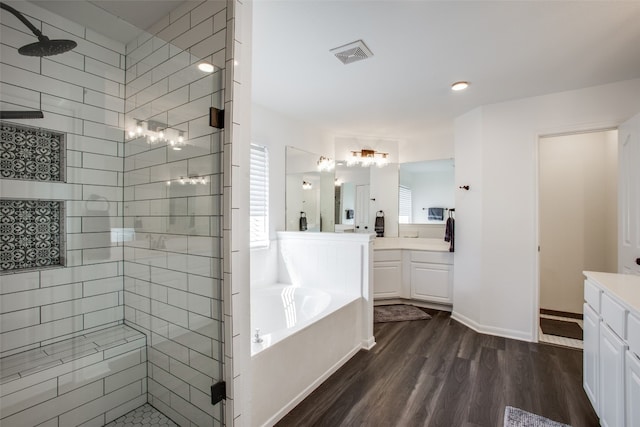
352	52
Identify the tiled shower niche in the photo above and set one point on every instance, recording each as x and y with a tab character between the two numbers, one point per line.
31	153
31	234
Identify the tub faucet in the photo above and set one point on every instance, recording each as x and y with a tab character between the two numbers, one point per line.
256	337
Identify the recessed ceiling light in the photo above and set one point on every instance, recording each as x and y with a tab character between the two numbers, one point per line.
206	67
459	86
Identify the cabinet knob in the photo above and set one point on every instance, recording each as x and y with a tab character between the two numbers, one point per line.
638	261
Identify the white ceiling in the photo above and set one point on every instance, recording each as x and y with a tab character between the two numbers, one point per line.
505	49
119	20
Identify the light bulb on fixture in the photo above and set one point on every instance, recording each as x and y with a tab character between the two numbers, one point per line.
139	128
161	135
180	137
325	164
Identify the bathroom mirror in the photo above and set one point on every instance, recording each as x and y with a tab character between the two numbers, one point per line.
351	197
309	194
426	191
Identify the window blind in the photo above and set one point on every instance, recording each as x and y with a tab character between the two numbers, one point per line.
259	196
404	197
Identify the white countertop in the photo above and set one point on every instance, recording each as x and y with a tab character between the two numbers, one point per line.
417	244
623	287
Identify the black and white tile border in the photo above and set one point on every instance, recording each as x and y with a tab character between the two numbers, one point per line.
31	234
31	153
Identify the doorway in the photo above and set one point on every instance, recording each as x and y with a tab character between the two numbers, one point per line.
578	210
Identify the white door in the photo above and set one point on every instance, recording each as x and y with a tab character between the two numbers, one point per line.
362	209
629	196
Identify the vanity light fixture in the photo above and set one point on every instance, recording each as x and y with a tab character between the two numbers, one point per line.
367	157
156	132
205	67
306	185
193	180
325	164
458	86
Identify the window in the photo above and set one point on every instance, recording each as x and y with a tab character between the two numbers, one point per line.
259	197
404	214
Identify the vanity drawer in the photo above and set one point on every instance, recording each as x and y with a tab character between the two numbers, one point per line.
592	295
614	315
633	333
432	257
387	255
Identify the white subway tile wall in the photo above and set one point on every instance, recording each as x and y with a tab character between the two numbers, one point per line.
79	94
173	265
97	376
165	278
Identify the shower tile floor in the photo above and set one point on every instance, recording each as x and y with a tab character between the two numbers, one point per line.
144	416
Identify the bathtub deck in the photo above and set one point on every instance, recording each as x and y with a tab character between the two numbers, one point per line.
440	373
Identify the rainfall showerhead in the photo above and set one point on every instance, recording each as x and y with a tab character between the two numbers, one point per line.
44	46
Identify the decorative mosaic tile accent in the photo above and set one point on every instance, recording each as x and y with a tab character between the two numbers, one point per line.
144	416
31	153
31	234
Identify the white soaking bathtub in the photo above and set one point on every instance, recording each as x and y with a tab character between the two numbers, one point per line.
281	310
312	325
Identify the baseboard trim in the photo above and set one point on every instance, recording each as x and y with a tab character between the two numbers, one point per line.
491	330
307	391
369	343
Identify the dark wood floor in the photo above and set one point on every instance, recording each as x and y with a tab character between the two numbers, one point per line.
440	373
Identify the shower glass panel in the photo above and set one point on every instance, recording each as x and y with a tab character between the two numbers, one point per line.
172	192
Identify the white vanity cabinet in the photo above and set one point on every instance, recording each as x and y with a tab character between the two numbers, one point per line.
591	354
387	273
405	272
632	388
431	277
611	385
611	374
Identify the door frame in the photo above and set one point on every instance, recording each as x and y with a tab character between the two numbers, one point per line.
546	134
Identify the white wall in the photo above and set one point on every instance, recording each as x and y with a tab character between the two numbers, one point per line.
438	143
276	131
496	279
578	214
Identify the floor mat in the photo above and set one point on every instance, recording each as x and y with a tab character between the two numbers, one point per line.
514	417
561	328
398	313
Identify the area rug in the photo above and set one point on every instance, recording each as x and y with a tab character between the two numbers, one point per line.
561	328
398	313
514	417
